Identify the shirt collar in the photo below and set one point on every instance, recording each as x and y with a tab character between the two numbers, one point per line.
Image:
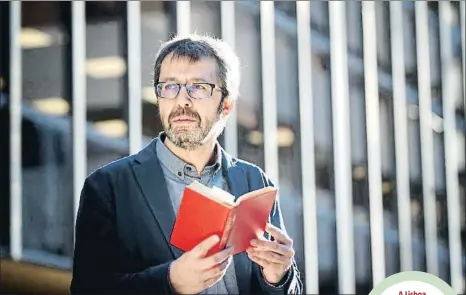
178	166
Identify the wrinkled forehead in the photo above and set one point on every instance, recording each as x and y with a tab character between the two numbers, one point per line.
182	69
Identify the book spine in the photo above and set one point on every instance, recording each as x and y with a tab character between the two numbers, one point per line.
227	229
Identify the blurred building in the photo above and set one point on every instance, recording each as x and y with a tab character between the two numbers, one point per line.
54	100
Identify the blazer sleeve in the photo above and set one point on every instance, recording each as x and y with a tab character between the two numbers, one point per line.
95	261
292	283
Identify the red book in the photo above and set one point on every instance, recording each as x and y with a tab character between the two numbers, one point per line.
208	211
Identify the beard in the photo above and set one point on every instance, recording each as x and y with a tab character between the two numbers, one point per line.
192	136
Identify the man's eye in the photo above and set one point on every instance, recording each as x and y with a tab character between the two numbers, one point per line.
199	86
170	86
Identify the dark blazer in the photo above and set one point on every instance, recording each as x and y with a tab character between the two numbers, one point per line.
124	222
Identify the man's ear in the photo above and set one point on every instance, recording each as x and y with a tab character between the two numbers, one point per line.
228	105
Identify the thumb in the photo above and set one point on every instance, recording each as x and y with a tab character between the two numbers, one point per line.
203	247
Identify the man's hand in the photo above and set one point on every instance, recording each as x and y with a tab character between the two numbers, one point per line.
192	272
275	257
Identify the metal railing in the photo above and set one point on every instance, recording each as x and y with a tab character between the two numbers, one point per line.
342	64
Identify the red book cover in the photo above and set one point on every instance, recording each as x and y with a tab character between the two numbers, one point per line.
205	212
251	215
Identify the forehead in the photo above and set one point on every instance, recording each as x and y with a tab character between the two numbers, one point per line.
182	69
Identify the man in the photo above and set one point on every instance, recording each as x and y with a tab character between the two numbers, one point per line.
128	207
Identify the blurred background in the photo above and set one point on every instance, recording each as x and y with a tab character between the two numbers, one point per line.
356	110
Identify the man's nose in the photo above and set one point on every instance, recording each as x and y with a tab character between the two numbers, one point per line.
183	98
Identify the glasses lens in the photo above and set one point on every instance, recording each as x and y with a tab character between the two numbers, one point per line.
200	90
168	90
196	91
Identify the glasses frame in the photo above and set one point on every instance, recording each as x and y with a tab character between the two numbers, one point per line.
188	89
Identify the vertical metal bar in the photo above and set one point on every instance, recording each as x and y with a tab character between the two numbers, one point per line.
371	90
342	152
427	148
16	203
303	19
134	75
183	17
463	42
227	10
450	141
269	96
401	135
78	49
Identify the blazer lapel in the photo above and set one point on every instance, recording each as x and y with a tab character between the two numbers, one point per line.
238	185
149	175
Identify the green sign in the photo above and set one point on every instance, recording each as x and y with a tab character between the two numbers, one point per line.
412	283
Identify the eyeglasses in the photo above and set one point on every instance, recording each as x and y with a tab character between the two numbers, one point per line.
195	90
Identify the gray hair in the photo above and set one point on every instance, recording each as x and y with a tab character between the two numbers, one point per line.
195	47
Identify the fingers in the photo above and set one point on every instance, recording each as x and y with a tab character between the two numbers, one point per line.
213	275
218	270
217	258
203	247
275	254
262	262
269	256
278	235
265	245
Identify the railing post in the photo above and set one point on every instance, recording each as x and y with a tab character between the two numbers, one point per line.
133	38
342	152
400	120
227	11
306	112
371	89
427	147
269	92
78	57
183	17
16	197
451	145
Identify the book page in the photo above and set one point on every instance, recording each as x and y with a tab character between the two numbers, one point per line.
256	193
223	195
215	193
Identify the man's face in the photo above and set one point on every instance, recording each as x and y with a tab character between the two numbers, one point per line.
189	122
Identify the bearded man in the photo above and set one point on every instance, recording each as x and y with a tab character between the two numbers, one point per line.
128	207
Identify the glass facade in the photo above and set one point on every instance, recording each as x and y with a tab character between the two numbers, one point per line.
47	166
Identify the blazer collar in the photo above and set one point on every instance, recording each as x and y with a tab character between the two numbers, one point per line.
150	177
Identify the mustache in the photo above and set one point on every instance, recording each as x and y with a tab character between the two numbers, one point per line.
187	112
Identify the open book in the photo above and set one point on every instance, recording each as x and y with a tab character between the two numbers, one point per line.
208	211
